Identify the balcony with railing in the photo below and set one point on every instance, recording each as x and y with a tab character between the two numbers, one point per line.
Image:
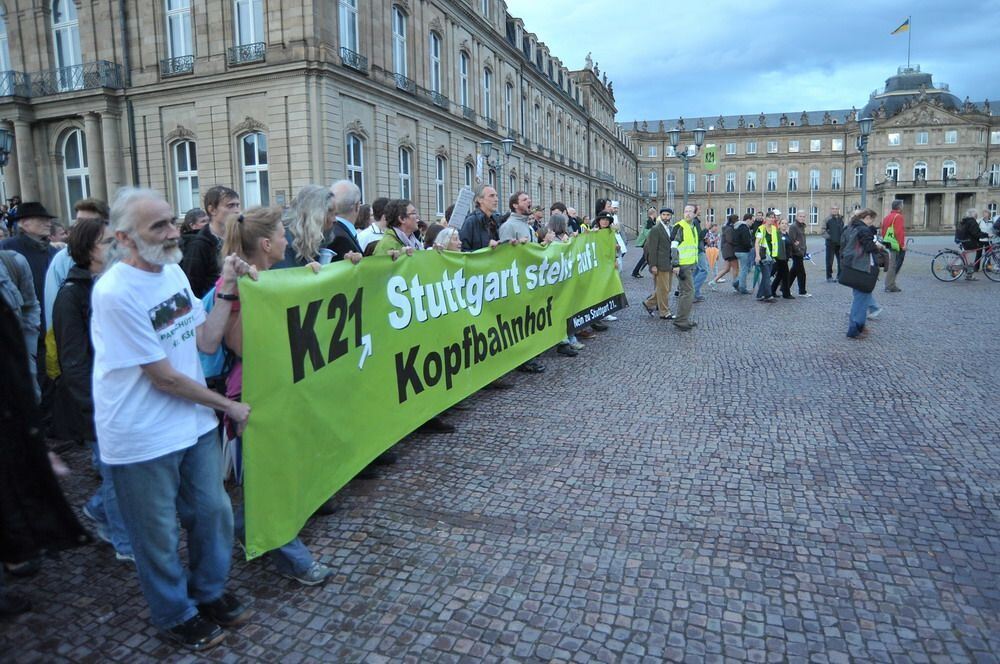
183	64
353	60
491	124
405	84
244	54
438	99
469	113
88	76
601	175
14	84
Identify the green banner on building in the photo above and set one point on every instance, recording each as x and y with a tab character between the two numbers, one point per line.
341	365
710	157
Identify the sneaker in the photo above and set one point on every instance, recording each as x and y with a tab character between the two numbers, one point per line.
226	611
532	367
316	575
875	313
129	557
720	280
100	527
805	294
586	334
196	633
576	345
611	318
637	276
668	317
567	350
699	299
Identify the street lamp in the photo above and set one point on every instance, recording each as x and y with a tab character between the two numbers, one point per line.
6	143
865	125
675	138
507	147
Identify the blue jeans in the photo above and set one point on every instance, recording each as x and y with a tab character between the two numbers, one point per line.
293	558
745	263
764	289
860	306
103	506
152	495
700	273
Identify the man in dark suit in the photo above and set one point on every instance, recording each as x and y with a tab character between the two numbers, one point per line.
657	251
346	204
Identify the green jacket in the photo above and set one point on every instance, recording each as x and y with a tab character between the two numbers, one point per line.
640	239
389	242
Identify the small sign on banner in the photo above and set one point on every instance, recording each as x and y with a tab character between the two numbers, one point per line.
463	206
710	157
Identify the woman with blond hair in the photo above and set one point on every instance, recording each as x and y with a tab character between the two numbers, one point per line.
309	220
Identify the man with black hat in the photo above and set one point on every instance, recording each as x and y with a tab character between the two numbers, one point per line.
657	251
34	224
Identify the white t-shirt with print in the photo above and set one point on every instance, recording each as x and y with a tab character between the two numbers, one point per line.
142	317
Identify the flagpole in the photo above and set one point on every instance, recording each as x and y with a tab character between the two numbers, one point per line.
909	38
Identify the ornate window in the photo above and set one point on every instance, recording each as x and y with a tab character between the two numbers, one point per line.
66	42
751	147
179	28
772	180
793	179
435	53
995	175
671	183
487	93
948	169
692	183
253	152
751	181
440	177
894	138
185	156
399	59
793	146
920	170
923	138
814	215
405	173
356	162
463	78
951	136
730	182
858	177
508	106
836	179
76	173
892	170
730	148
249	16
814	176
469	175
348	17
815	145
837	144
772	147
710	183
653	186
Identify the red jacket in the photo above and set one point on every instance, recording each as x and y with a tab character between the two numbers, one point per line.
895	219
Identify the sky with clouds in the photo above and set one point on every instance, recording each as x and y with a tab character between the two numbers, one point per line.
713	57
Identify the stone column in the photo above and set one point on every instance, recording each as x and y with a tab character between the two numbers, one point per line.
113	160
948	217
26	160
917	214
10	170
95	156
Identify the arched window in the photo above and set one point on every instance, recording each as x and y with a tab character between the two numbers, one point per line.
185	156
76	174
249	17
66	42
179	41
399	60
948	169
653	184
348	16
487	93
463	78
692	183
508	106
536	122
4	49
435	54
920	170
814	176
671	183
253	155
356	162
440	177
405	173
751	181
892	170
513	183
493	178
469	175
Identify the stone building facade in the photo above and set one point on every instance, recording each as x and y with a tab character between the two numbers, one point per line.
937	154
266	96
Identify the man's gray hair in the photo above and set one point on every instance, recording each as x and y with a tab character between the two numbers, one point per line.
972	212
123	209
346	195
897	204
557	223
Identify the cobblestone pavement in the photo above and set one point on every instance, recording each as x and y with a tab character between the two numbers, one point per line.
760	489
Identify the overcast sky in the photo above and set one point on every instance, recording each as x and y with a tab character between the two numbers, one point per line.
710	57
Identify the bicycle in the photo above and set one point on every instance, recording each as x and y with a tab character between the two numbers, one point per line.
950	264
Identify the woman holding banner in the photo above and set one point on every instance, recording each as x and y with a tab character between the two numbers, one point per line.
258	237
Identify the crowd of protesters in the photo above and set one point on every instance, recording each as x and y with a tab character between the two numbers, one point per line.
132	322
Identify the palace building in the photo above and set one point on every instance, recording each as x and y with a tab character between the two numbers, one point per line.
266	96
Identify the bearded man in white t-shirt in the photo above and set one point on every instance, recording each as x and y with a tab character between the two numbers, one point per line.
155	420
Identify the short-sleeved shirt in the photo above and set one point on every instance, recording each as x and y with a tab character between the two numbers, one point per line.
141	317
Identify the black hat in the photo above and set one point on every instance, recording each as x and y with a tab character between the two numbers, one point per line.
662	210
33	210
604	214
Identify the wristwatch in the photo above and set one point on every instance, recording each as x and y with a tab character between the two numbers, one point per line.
229	297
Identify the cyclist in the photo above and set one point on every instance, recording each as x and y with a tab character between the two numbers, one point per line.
969	235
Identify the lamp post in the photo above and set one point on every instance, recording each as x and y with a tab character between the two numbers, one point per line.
675	138
865	125
507	146
6	143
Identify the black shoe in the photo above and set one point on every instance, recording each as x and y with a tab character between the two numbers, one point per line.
650	311
668	317
25	569
599	326
531	367
436	425
12	604
226	611
387	458
197	633
787	297
567	350
327	508
684	327
499	384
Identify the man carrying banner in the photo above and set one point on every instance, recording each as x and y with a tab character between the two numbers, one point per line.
156	422
480	227
519	229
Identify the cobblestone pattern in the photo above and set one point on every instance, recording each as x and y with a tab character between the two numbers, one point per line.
760	489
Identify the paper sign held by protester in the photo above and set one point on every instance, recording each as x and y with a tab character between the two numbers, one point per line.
463	206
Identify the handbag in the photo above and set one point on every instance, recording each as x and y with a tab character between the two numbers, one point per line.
861	280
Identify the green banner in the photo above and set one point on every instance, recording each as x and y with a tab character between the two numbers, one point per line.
341	365
710	157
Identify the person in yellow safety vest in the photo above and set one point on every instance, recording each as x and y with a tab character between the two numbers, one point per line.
765	249
686	237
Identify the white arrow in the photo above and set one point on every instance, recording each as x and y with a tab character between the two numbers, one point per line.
366	350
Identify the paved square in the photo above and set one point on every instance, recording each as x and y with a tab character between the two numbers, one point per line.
760	489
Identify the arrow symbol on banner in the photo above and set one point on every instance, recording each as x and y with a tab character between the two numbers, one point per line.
366	350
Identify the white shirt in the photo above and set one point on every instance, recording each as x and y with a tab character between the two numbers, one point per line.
141	317
371	234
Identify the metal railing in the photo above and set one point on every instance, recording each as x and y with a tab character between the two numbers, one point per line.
601	175
923	182
243	54
183	64
491	123
355	61
405	84
14	83
469	113
438	99
88	76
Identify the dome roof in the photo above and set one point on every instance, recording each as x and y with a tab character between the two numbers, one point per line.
908	85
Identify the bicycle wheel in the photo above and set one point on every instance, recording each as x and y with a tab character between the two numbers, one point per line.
948	265
991	266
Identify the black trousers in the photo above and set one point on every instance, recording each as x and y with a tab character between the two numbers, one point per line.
638	266
780	272
832	251
798	273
